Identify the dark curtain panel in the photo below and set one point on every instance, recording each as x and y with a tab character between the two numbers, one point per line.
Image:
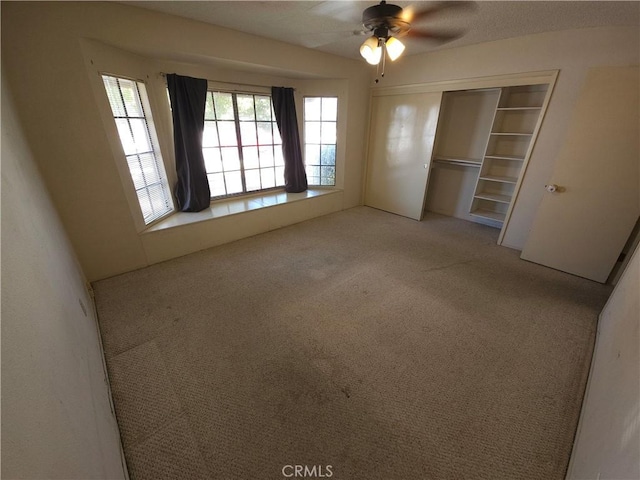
188	96
295	178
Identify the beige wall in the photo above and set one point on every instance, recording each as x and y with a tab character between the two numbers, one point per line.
56	417
572	52
48	48
608	439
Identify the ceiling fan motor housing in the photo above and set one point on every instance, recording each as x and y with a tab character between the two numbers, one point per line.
384	19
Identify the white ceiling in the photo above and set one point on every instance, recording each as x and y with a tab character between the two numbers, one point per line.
329	26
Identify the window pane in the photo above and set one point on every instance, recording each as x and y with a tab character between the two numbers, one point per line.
327	176
329	109
263	108
227	132
312	154
149	169
133	135
157	198
328	155
253	179
250	157
135	169
279	157
212	159
312	171
245	107
328	132
113	94
248	133
140	135
145	203
124	132
224	106
234	182
313	180
216	184
312	132
209	114
131	100
264	133
276	134
230	158
210	135
279	176
268	178
312	108
266	156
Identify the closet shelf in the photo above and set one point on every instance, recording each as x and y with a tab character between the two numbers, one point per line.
498	178
465	162
493	197
512	134
517	109
488	214
506	157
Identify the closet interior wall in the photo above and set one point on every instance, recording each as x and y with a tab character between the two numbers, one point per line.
461	141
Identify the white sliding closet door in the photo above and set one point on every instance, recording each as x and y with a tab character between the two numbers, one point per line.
582	228
402	134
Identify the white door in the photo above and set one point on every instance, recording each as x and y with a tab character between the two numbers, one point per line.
582	228
403	129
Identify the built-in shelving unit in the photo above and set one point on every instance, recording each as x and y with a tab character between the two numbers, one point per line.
508	147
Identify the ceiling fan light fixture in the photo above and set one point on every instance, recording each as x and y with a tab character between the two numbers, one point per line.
394	48
371	50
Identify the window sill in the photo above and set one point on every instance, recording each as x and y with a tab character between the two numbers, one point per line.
234	206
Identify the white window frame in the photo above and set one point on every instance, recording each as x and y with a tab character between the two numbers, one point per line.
209	147
308	146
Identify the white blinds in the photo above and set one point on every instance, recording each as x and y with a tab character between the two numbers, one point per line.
129	105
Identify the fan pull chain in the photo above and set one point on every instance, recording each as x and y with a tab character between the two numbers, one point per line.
384	57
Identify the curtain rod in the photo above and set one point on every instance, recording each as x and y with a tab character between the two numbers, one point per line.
163	74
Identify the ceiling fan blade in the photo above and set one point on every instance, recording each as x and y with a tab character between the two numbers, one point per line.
436	36
421	15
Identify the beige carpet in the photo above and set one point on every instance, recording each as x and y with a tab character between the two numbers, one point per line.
383	347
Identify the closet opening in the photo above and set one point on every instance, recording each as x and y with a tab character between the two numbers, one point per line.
483	141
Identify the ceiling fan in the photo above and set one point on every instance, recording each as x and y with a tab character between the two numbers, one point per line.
386	23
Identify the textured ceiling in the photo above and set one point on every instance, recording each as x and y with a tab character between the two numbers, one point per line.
329	26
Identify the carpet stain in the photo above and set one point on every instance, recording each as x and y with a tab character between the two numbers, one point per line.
346	390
